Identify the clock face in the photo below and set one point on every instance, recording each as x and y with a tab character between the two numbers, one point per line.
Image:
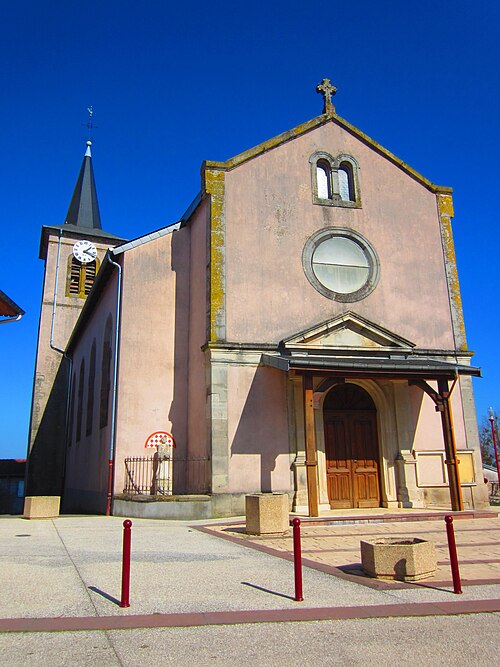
84	251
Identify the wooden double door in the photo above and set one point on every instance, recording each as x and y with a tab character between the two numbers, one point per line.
352	454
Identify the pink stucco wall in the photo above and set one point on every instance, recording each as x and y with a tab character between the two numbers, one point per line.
428	433
270	215
257	430
152	395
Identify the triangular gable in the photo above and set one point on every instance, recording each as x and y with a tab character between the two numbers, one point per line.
347	332
308	126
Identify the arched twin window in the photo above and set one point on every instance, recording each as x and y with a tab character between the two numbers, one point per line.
335	180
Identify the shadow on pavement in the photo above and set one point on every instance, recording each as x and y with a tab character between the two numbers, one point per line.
104	595
266	590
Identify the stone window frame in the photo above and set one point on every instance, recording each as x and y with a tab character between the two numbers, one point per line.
321	159
369	251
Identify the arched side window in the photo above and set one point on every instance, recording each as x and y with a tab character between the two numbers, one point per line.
346	184
105	374
324	179
335	180
72	411
91	390
348	181
79	410
80	277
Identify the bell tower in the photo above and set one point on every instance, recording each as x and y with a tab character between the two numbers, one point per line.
72	253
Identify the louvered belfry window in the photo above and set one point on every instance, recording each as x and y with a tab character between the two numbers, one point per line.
81	277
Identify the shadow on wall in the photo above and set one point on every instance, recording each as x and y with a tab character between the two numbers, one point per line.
86	480
45	466
12	474
179	406
263	426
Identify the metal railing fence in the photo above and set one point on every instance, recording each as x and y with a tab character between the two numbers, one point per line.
148	475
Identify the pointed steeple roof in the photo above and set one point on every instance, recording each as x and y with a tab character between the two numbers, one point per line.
83	219
83	209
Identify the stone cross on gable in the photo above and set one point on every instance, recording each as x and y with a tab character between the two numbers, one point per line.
327	90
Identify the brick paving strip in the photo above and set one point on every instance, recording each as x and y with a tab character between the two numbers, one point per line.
183	620
315	539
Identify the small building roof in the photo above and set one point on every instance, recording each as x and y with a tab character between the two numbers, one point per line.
8	308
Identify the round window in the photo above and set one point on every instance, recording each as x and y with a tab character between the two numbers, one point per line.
341	264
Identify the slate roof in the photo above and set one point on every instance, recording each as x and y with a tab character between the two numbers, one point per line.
83	210
8	308
83	217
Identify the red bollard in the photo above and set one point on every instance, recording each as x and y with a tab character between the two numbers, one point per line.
297	560
452	547
127	540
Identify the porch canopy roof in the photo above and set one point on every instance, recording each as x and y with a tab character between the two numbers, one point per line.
368	367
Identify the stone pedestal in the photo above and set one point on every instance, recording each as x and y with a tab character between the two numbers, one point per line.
41	507
409	559
266	513
409	495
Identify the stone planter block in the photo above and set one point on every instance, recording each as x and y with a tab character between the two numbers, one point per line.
266	513
409	559
41	507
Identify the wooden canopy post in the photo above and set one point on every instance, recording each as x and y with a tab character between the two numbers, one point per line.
441	398
450	447
311	458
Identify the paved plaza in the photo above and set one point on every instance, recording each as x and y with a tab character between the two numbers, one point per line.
335	548
197	599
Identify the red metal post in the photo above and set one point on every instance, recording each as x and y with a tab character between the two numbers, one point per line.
452	548
297	560
494	436
127	540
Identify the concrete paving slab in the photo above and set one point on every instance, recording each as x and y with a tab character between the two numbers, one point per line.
402	642
70	567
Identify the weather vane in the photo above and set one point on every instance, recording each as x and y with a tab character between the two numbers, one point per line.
89	124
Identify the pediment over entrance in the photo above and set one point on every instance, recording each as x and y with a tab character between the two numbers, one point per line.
347	332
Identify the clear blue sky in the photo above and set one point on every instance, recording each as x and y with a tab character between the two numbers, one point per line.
174	83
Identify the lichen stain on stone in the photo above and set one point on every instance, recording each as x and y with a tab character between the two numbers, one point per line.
214	184
445	206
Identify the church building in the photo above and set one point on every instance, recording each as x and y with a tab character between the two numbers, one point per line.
299	330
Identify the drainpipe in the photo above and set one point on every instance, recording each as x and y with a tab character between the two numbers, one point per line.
63	352
112	449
